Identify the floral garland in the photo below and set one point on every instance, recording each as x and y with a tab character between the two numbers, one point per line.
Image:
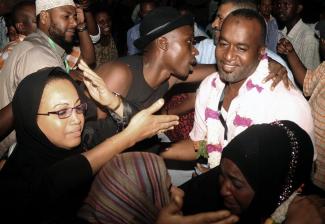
215	141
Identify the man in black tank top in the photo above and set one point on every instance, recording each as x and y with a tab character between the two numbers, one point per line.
166	39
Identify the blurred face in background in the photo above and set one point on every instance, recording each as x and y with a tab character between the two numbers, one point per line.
104	22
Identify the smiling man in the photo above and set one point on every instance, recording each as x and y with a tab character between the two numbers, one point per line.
235	98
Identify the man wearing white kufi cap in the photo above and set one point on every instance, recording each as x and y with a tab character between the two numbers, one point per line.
47	47
44	5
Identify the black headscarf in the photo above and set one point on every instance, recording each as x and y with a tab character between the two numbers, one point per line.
29	164
276	159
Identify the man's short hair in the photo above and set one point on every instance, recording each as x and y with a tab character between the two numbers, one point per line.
252	14
241	4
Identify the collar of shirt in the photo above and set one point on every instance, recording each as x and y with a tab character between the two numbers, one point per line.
56	48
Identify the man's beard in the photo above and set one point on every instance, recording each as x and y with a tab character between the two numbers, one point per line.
59	39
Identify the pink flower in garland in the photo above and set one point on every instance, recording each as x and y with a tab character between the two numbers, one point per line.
250	85
213	83
242	121
209	113
214	148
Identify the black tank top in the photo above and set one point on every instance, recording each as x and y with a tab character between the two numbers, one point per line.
140	93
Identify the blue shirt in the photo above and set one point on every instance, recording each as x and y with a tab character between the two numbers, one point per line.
271	34
133	34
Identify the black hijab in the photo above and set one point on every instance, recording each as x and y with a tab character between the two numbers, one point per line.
276	160
34	155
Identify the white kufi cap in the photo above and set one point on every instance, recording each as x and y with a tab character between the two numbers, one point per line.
50	4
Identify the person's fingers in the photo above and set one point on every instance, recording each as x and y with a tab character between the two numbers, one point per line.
162	127
275	81
167	118
156	106
218	217
174	205
268	77
286	82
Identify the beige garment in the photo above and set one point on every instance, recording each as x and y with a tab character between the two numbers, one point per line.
34	53
314	86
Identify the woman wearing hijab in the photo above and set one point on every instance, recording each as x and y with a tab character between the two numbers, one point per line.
135	188
49	172
261	172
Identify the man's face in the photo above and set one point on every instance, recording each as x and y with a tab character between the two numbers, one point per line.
223	11
146	8
288	10
62	24
239	49
180	52
30	20
266	8
104	22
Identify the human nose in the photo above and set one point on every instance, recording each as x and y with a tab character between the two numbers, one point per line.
216	23
229	53
225	189
75	117
73	22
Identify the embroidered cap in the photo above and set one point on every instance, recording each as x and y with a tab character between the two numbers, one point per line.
50	4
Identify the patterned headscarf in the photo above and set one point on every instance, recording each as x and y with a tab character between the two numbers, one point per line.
276	159
131	188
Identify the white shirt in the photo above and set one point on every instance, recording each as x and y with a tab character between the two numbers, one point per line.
254	104
305	44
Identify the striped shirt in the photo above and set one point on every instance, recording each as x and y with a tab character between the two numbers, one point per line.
314	86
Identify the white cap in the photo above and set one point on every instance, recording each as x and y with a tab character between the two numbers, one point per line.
50	4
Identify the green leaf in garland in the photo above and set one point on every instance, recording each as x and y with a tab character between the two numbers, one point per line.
202	151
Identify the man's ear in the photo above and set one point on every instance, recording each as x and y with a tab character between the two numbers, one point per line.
20	27
162	43
44	17
262	53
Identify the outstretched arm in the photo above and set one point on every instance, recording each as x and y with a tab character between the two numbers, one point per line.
143	125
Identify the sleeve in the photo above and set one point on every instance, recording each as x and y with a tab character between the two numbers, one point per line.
311	52
312	78
33	60
132	35
67	175
95	38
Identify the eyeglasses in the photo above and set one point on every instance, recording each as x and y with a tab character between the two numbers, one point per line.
65	113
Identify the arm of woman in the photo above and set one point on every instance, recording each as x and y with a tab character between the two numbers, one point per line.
143	125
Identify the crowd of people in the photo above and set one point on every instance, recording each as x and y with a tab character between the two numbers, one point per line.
85	136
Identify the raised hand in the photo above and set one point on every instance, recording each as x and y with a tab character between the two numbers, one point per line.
171	214
97	87
80	15
277	74
145	124
284	46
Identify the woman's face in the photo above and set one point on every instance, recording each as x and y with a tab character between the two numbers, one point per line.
234	188
59	95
